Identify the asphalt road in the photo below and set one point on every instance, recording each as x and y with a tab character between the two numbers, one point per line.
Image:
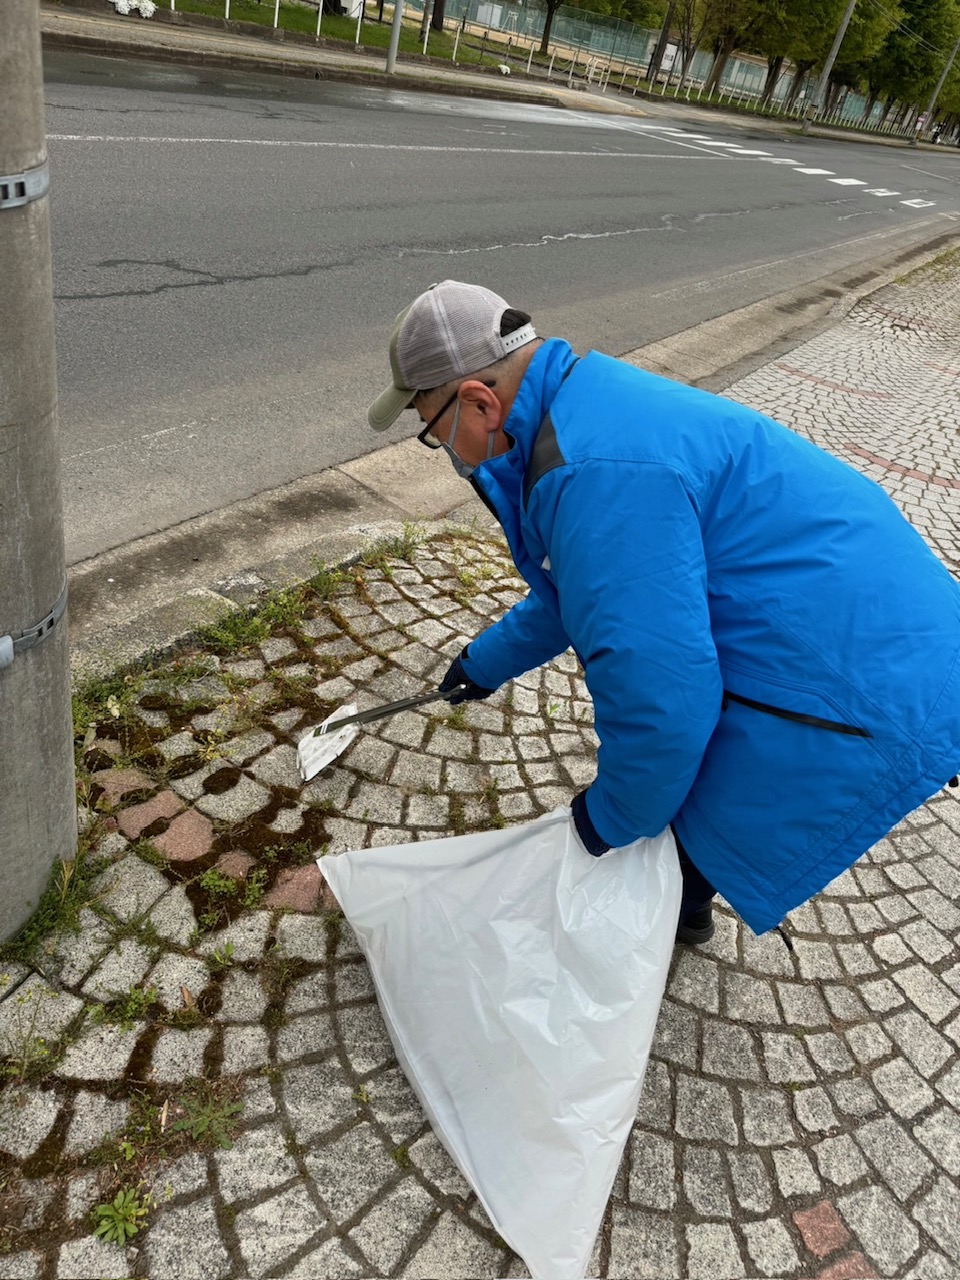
230	251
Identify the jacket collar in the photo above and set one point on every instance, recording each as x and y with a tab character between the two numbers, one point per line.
540	384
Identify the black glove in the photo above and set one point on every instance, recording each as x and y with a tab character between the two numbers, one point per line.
456	675
589	837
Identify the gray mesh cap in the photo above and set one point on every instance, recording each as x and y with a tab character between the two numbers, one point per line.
450	331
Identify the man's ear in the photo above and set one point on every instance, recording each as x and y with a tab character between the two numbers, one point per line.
482	399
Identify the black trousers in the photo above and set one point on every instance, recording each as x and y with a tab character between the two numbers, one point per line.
697	889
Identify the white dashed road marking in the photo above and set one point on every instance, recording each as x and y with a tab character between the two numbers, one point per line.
670	134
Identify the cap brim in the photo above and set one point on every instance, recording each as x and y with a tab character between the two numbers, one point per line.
388	407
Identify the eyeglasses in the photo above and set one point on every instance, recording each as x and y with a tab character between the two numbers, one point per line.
426	436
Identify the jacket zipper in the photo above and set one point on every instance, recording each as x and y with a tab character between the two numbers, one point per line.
816	722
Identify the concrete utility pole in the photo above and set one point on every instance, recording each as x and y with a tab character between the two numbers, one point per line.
38	814
813	107
394	36
928	114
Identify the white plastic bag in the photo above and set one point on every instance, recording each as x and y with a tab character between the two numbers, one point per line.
520	980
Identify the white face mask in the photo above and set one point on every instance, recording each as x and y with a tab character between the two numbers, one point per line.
463	469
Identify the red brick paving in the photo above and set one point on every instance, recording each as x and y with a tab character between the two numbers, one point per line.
834	386
117	783
187	838
298	890
234	864
945	482
853	1267
821	1228
133	821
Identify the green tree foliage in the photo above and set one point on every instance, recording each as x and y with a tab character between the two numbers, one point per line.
912	57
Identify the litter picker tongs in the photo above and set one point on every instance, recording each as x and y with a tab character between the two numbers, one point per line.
322	745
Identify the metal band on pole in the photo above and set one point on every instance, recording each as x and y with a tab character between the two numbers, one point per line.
11	645
17	189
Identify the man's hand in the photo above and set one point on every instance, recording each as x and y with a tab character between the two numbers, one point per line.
594	844
456	675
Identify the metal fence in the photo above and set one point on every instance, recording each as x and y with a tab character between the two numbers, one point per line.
598	48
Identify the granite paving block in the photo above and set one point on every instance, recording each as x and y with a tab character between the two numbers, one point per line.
349	1171
247	935
35	1011
385	1228
938	1212
244	1049
129	888
242	997
455	1251
95	1119
273	1230
303	936
100	1053
26	1117
317	1098
91	1259
329	1261
72	953
119	971
171	974
242	800
642	1246
173	917
300	1037
185	1243
178	1054
258	1161
25	1265
888	1236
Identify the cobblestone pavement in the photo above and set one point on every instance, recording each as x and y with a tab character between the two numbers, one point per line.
209	1039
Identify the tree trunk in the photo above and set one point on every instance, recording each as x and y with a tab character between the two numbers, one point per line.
547	28
774	67
436	22
720	60
801	71
685	65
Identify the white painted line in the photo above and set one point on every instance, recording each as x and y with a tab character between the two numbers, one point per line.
822	172
727	146
745	151
777	160
369	146
848	182
880	191
919	204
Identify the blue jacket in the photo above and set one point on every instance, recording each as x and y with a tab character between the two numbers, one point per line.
771	649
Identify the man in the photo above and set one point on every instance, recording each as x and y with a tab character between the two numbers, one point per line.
772	651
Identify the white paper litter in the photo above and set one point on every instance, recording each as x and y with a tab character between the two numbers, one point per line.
520	981
316	751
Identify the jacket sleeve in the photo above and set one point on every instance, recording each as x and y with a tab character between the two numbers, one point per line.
528	635
627	556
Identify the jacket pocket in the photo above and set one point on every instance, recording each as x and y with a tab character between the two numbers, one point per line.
799	717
